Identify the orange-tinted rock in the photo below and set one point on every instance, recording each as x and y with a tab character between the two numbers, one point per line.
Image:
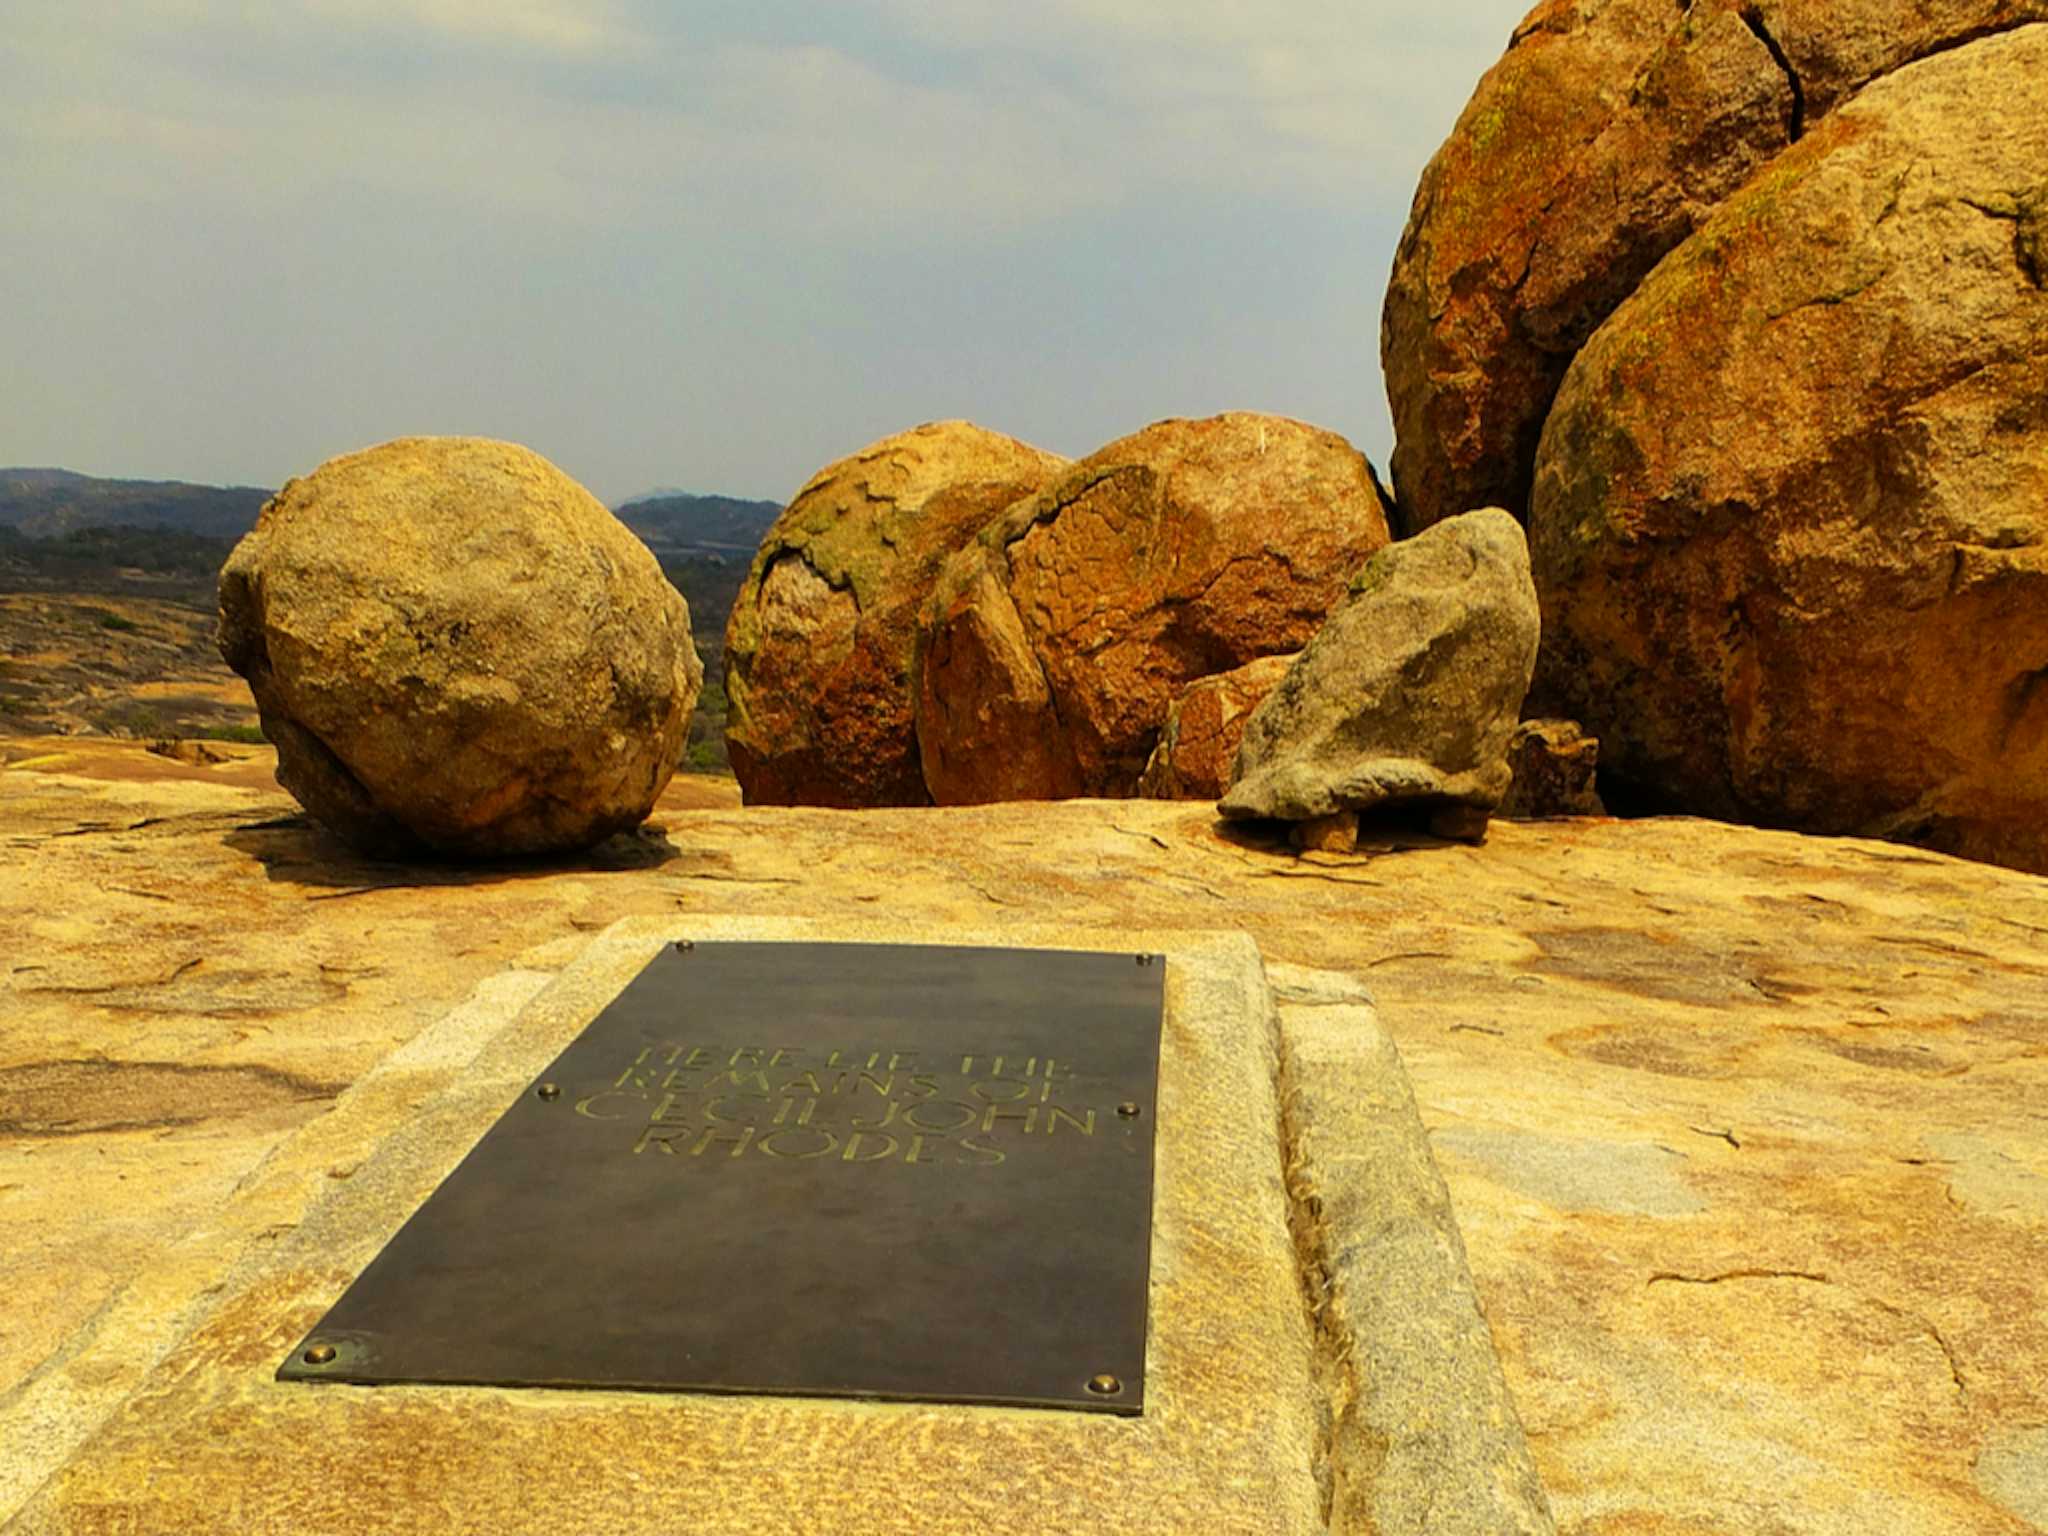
1790	525
1198	741
1334	833
1052	648
987	724
818	648
1603	138
1556	771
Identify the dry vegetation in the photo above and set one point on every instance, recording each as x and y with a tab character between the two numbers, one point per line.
110	632
73	663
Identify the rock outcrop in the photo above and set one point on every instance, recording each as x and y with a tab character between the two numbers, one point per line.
1600	141
1555	767
1407	696
1051	648
1790	522
818	648
1199	739
1742	1128
458	650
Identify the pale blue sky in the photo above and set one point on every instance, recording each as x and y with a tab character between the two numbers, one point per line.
713	245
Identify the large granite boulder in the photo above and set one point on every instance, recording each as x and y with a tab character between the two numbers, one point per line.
1407	696
1791	513
1199	738
1051	648
458	650
1606	134
818	648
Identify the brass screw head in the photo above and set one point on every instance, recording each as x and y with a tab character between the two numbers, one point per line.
1144	959
319	1354
685	945
1104	1385
1128	1110
549	1092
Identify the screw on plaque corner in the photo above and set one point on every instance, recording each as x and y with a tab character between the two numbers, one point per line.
684	946
1103	1384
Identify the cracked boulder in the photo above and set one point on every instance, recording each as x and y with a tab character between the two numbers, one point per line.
818	648
1406	698
1052	647
458	650
1603	137
1199	739
1790	522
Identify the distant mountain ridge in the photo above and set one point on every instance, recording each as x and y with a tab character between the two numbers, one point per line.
50	503
714	524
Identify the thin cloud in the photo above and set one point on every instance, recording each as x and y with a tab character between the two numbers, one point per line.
572	26
967	116
1326	93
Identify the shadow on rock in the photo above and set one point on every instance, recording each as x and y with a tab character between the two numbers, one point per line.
297	850
1392	829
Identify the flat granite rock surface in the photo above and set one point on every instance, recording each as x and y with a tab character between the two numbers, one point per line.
1746	1132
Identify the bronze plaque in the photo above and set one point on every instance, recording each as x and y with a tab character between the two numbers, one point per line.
839	1169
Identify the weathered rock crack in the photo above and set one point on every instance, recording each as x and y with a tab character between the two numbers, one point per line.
1795	114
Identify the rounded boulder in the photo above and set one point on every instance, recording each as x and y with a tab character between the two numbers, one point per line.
457	650
819	646
1603	137
1052	647
1790	522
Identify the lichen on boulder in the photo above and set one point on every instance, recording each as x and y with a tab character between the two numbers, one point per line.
819	646
1604	136
1790	523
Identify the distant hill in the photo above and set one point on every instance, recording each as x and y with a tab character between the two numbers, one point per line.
51	503
48	503
709	524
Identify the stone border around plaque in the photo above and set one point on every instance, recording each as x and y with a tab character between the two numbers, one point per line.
1424	1438
1233	1436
